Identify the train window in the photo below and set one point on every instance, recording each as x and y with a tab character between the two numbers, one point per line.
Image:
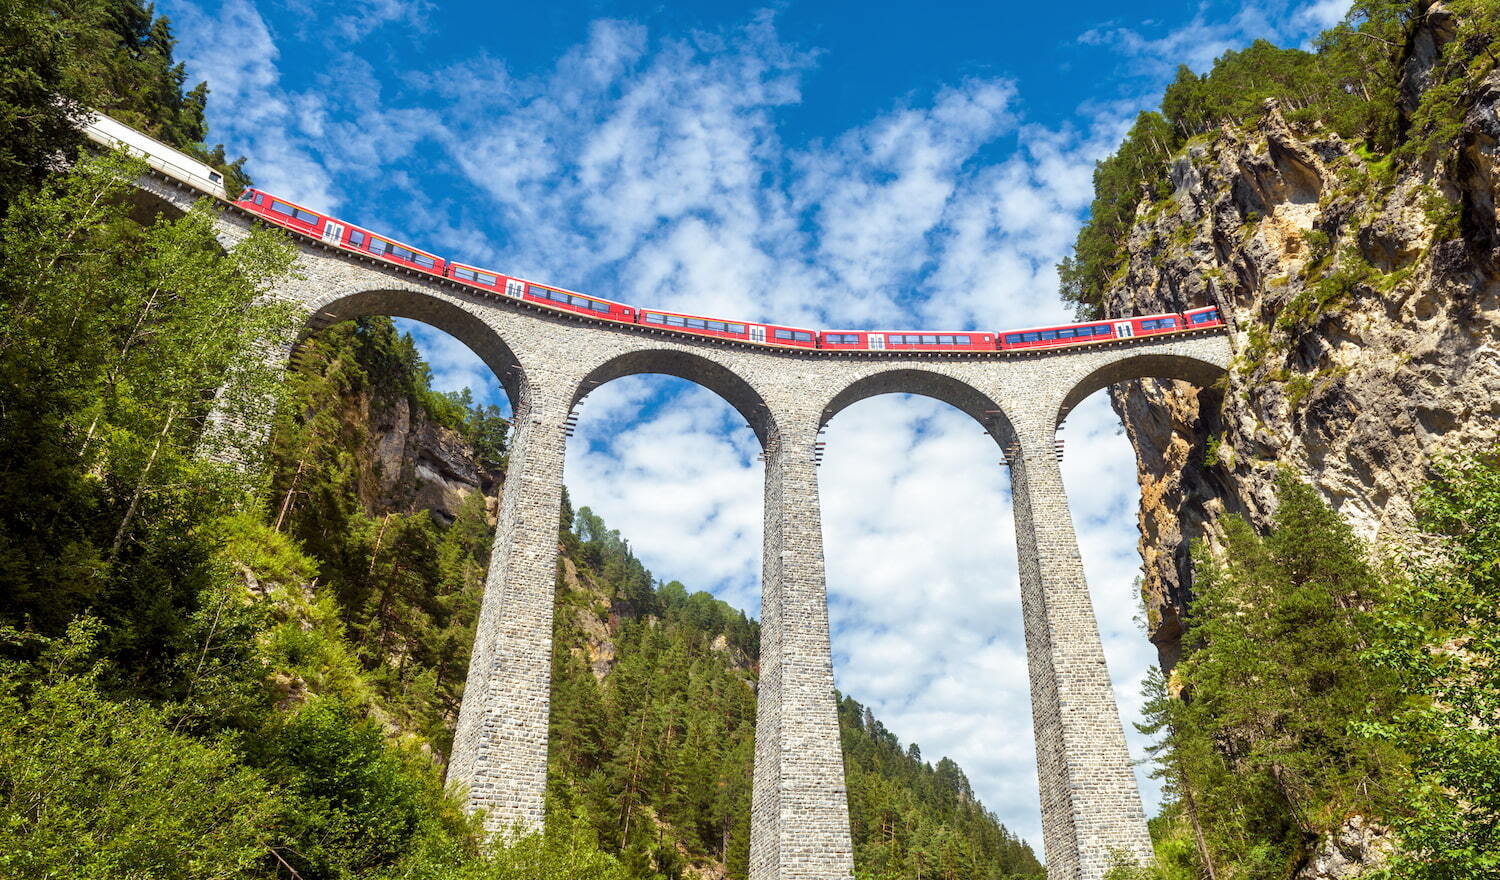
599	306
1168	323
377	246
356	237
656	319
401	253
677	321
1032	337
736	328
945	340
842	339
1049	334
961	340
465	274
260	198
697	323
802	337
929	340
282	208
1012	338
424	260
783	334
486	278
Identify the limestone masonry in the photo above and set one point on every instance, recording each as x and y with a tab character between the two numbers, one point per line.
548	362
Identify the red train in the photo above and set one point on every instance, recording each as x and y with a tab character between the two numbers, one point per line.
355	238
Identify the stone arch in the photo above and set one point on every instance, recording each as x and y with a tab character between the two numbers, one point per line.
1148	365
926	383
695	368
440	312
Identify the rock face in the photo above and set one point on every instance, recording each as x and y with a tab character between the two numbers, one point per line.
1364	316
1354	850
416	464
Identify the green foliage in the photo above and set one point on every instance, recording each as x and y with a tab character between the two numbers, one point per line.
1440	638
1254	741
113	340
353	802
96	788
658	754
1120	182
41	105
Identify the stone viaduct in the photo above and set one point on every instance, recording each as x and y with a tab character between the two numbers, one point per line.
548	361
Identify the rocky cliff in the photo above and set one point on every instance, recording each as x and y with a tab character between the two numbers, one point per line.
1361	296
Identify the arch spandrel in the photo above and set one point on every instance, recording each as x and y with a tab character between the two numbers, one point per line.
695	368
463	324
955	392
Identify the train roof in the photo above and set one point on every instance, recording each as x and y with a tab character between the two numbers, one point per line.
110	132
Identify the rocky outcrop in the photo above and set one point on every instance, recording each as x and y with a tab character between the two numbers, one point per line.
1364	312
1356	849
416	464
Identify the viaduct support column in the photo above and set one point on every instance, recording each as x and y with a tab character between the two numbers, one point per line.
500	747
800	806
1091	808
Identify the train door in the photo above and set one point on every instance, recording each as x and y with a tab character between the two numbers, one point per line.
757	333
1123	331
333	231
514	288
877	342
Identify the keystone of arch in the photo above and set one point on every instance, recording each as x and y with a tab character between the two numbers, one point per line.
1202	369
926	383
696	368
432	308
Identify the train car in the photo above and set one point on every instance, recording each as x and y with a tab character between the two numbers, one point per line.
886	340
111	133
567	300
1048	337
336	232
766	334
1208	316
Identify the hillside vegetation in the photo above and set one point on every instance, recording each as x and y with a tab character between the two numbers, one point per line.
1366	80
1330	709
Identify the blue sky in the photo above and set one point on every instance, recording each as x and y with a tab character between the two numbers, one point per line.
830	164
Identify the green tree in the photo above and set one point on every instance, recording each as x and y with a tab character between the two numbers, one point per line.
1440	637
96	788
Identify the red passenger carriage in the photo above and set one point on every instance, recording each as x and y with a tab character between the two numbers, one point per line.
761	333
887	340
336	232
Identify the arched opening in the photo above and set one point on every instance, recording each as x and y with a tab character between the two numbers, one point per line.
1100	476
385	471
435	311
656	646
925	607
